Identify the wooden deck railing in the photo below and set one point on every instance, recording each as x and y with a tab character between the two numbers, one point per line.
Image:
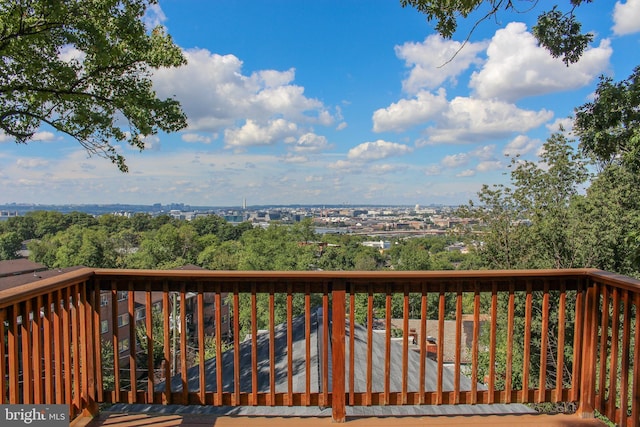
533	336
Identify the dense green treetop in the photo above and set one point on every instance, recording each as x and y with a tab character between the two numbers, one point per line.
83	67
558	31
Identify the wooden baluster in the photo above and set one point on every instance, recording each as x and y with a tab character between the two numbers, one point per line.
422	342
635	394
254	346
561	338
307	341
492	342
58	343
457	357
202	350
325	345
370	321
405	345
510	317
151	373
441	314
289	344
116	342
183	344
475	345
542	387
387	347
4	385
37	359
626	356
217	299
236	344
167	338
352	359
526	359
133	368
613	359
272	345
13	334
27	360
338	294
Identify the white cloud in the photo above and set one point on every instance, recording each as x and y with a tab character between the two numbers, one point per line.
154	16
252	133
194	137
470	120
43	136
31	163
292	158
5	138
489	166
455	160
215	94
484	152
377	150
564	125
310	143
432	63
520	145
433	170
517	67
386	168
466	173
626	17
407	113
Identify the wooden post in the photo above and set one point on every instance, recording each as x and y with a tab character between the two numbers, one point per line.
338	396
588	371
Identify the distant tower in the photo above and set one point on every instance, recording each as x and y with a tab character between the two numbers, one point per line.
244	203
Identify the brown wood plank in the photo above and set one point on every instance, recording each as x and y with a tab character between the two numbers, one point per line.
457	358
475	346
307	341
27	367
4	384
613	360
13	334
635	397
542	384
510	317
526	359
338	402
272	346
423	344
577	342
58	342
387	348
201	345
561	339
290	344
441	315
133	368
352	357
167	338
183	343
217	299
148	317
97	342
37	360
236	346
492	343
254	345
369	346
626	356
325	345
115	340
405	345
76	341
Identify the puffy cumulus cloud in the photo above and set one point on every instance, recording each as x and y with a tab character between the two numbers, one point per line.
407	113
489	166
194	137
564	125
292	158
154	16
252	133
520	145
386	168
517	67
433	170
626	17
426	59
310	143
5	138
369	151
455	160
215	94
43	136
31	163
484	152
470	119
466	173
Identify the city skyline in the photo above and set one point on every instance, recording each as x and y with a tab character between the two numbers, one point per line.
335	103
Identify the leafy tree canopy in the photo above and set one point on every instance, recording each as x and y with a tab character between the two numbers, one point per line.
83	67
559	32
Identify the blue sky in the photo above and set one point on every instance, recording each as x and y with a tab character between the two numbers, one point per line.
335	102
